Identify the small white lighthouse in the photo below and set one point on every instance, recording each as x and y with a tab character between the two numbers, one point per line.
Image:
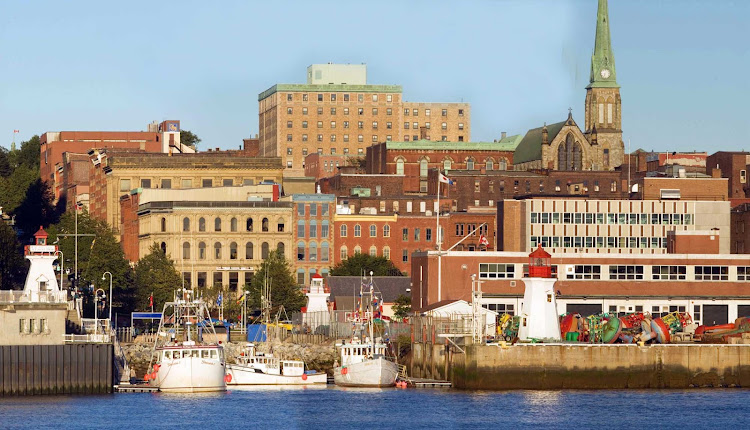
539	318
317	301
41	283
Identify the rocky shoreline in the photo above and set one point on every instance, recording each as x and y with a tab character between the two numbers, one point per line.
318	357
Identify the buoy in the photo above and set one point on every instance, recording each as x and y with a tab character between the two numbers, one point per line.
153	376
304	377
344	371
156	367
146	377
228	378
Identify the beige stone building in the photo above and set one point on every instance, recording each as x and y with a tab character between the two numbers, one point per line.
115	173
217	239
337	112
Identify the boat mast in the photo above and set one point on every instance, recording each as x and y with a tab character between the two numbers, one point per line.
372	314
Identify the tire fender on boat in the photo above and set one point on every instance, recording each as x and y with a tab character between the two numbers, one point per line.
304	377
228	378
344	371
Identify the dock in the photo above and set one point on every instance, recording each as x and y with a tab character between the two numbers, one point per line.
425	383
135	388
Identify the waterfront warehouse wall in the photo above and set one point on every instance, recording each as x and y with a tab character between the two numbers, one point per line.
55	369
545	367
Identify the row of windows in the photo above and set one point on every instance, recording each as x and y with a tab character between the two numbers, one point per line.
305	151
218	250
427	125
233	224
621	272
309	251
361	125
33	326
386	232
313	209
127	184
427	112
311	229
333	110
489	164
373	252
611	218
335	96
598	242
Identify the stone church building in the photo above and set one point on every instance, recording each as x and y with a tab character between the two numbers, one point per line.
563	145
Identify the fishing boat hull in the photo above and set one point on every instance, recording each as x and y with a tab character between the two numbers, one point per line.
190	375
246	375
376	372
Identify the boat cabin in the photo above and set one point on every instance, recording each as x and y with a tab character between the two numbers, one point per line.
357	352
203	353
270	365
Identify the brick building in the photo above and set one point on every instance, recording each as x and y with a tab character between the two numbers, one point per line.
313	238
414	159
338	112
734	167
115	173
712	288
690	161
740	242
655	188
321	166
163	137
215	237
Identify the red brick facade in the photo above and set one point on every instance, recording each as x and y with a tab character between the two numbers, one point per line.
732	165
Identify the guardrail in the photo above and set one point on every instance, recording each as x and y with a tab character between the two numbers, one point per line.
14	296
88	338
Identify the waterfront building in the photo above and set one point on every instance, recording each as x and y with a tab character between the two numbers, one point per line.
115	173
713	288
161	137
35	315
313	238
338	113
215	236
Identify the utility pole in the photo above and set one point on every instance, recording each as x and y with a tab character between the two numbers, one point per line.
76	236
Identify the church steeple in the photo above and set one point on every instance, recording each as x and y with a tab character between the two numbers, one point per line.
603	73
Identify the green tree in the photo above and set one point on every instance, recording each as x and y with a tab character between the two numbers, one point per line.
36	209
363	264
107	256
155	273
13	188
402	307
12	263
284	289
190	139
28	155
66	225
5	167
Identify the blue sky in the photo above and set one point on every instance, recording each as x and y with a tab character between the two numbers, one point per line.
92	65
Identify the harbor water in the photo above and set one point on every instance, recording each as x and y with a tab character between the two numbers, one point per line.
332	407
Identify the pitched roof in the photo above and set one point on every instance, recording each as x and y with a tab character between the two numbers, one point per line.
389	286
530	148
509	143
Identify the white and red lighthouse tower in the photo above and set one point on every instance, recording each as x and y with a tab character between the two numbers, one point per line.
539	319
41	283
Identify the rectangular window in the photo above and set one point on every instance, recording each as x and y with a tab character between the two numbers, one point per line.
166	183
405	234
187	183
227	182
626	272
207	183
324	230
428	234
416	234
289	97
301	209
405	255
668	272
346	97
22	328
585	271
496	271
145	183
711	273
743	273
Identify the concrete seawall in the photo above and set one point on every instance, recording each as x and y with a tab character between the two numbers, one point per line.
542	366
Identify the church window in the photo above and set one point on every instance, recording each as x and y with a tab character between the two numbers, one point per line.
423	168
447	164
609	113
489	165
606	158
502	164
601	113
470	164
400	166
569	155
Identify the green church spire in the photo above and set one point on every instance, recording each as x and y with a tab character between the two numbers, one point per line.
603	59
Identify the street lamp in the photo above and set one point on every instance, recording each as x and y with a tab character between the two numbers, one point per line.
96	308
110	294
61	267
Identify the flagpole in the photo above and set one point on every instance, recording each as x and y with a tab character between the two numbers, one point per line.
439	241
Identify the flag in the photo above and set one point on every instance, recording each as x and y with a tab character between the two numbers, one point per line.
151	300
219	300
79	206
446	180
483	240
242	297
16	131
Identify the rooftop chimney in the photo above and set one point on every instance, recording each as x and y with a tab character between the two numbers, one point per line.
503	134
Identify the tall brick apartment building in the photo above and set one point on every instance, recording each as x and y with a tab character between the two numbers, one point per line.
338	112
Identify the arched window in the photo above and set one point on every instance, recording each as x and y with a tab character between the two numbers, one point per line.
249	224
423	168
163	247
373	251
202	251
502	164
489	164
343	230
264	224
373	230
400	166
217	224
357	230
163	224
569	154
313	251
202	224
343	253
217	250
280	225
386	231
249	251
186	224
233	224
233	251
186	251
300	251
281	248
324	251
264	250
386	253
357	250
447	164
469	163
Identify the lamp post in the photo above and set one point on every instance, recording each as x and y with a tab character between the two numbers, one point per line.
61	268
110	293
96	308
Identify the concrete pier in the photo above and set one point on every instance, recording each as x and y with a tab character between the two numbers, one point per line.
584	366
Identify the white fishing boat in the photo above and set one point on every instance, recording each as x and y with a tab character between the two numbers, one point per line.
186	357
257	368
364	363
